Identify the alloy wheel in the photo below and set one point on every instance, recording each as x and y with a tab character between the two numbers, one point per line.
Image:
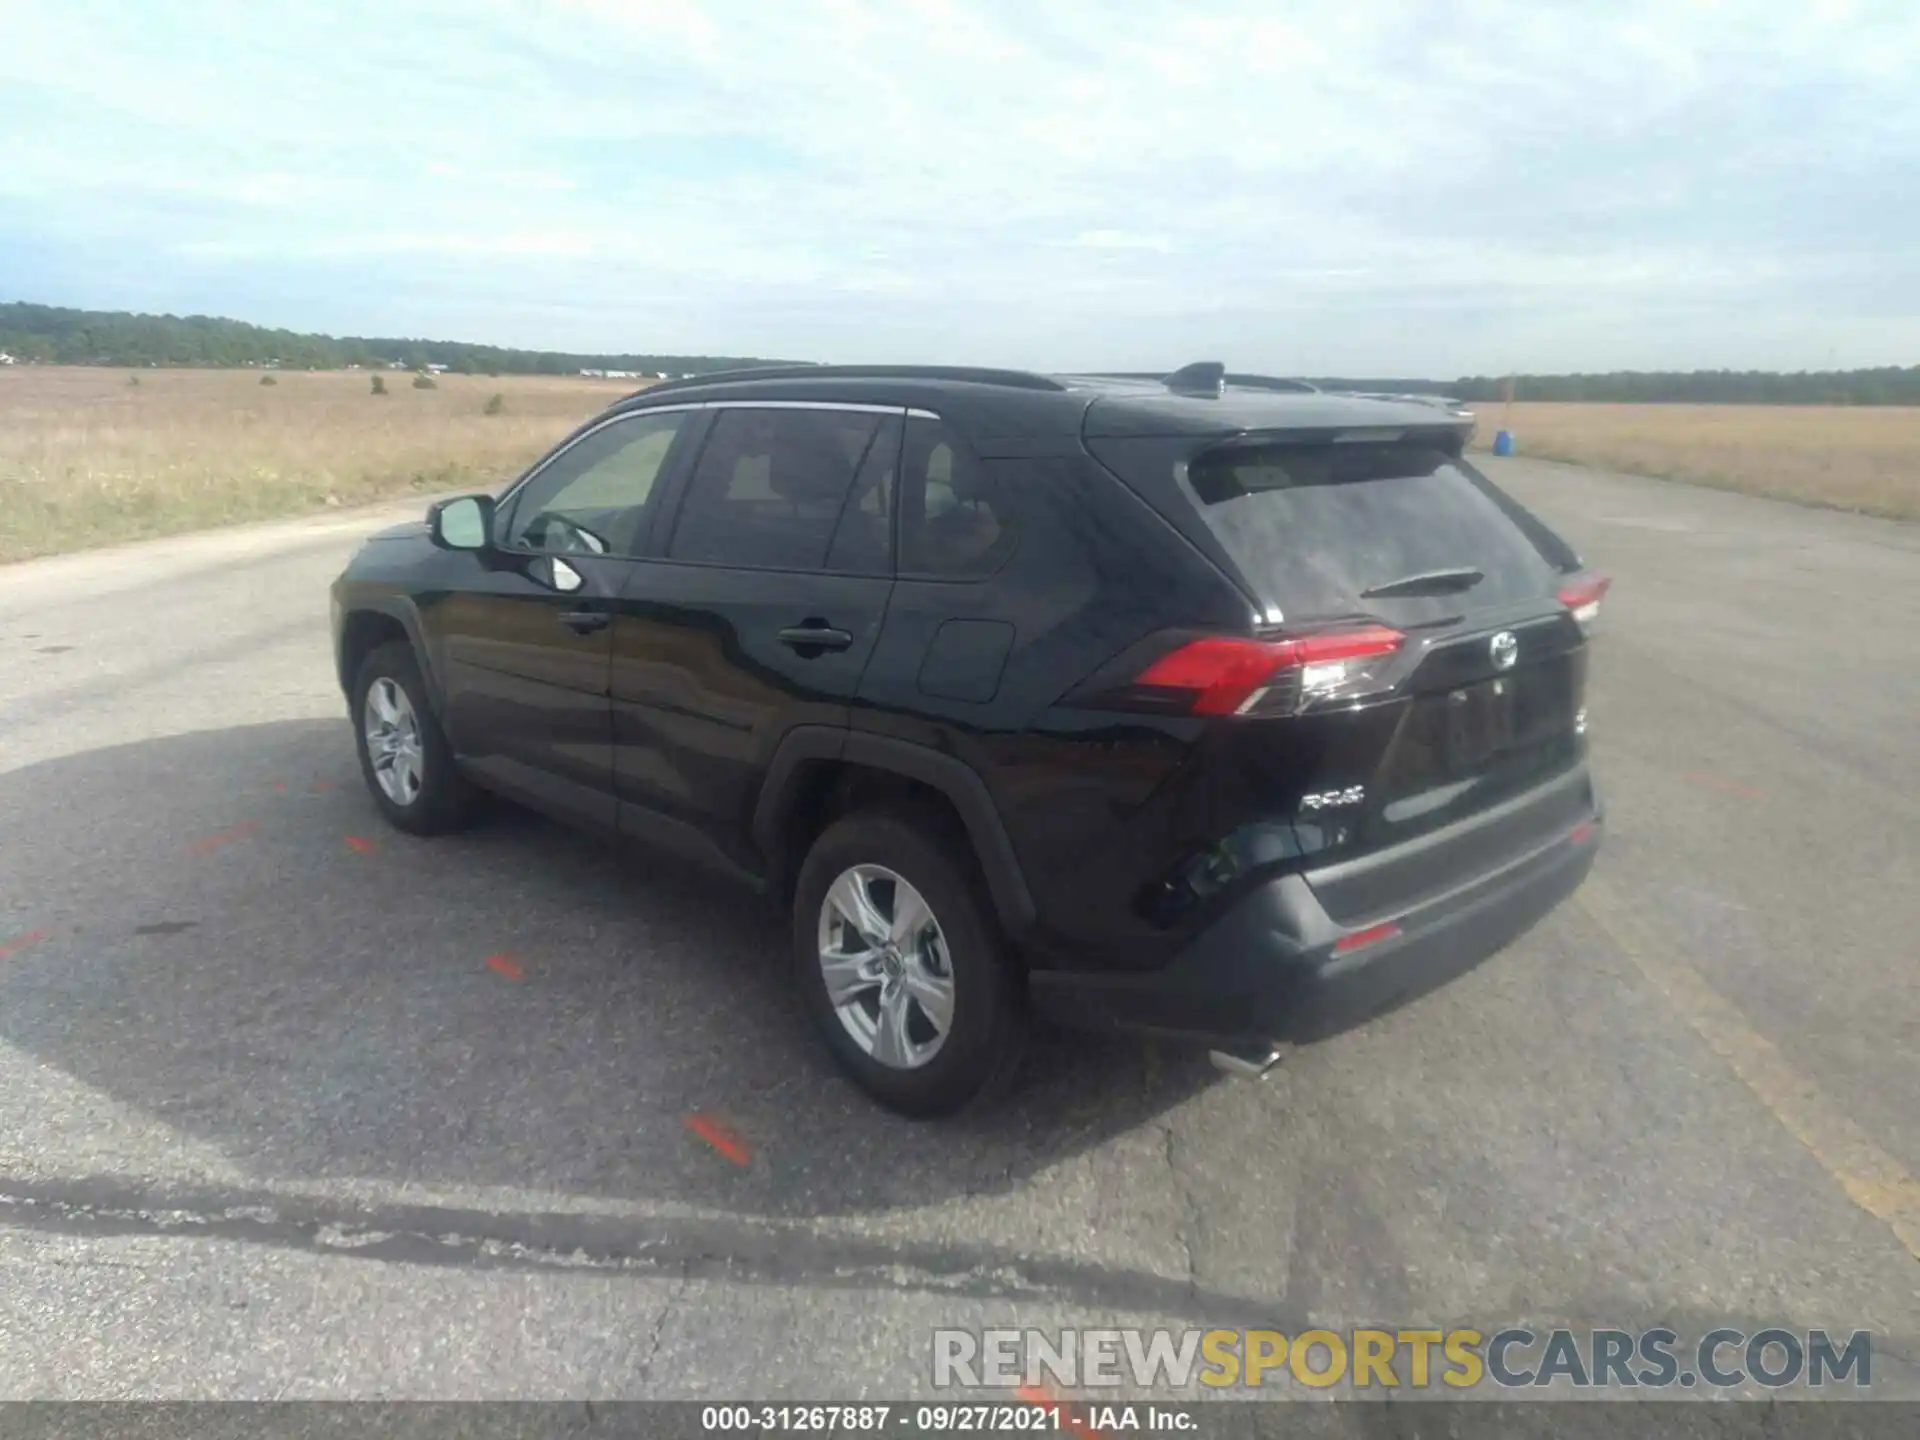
393	741
888	973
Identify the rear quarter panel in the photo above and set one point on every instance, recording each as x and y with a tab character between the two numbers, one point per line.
1094	572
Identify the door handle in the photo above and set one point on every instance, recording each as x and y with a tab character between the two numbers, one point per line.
814	637
585	622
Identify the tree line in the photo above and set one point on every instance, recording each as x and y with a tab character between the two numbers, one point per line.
1886	385
52	335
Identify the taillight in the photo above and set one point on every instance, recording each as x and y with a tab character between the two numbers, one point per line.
1582	595
1232	675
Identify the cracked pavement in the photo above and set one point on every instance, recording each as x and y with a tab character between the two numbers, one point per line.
275	1129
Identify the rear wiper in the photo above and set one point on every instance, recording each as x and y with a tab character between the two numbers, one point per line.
1428	582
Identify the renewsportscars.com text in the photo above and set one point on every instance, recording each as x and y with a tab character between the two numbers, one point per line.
1365	1359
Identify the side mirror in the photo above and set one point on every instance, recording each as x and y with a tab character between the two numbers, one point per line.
464	523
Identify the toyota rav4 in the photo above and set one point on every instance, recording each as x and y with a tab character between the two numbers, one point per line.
1206	705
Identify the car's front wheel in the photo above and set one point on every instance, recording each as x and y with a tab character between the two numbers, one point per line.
902	967
404	755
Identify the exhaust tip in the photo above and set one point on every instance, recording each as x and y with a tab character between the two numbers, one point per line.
1246	1064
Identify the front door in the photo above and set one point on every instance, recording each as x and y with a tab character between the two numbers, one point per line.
525	645
760	615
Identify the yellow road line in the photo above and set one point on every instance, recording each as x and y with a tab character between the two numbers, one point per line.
1873	1179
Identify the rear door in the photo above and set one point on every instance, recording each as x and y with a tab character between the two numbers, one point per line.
759	614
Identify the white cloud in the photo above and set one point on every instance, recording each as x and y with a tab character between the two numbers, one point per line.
376	244
522	180
1120	240
988	178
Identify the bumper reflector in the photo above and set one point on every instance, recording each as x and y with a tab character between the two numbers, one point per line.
1386	930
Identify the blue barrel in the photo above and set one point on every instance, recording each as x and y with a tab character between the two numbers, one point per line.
1503	442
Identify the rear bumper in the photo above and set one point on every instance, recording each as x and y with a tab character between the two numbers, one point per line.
1268	970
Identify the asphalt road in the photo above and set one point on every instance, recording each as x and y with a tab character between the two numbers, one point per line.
294	1106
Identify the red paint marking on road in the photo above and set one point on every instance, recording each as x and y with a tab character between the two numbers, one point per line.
1066	1419
720	1137
319	787
1721	783
214	841
280	785
504	965
360	844
22	942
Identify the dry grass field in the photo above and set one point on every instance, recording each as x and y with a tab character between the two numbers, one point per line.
86	458
1865	458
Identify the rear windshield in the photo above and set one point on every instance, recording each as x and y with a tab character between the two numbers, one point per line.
1315	526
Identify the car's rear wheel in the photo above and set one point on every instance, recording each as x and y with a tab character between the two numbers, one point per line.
404	755
902	967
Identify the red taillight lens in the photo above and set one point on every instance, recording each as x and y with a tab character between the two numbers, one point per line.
1222	673
1231	675
1582	595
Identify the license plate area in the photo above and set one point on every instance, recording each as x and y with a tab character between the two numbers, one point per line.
1479	725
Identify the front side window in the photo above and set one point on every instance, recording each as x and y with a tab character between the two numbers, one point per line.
590	499
771	486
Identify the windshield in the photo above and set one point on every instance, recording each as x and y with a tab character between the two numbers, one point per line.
1317	526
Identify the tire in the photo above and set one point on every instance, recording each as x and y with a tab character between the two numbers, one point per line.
975	1058
441	799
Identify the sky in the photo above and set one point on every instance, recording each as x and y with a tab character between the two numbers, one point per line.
1347	188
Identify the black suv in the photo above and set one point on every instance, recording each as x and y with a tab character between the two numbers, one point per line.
1202	704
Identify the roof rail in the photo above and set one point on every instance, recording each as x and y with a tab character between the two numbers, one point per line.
1194	380
1273	382
969	374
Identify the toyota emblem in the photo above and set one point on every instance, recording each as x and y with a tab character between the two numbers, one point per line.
1505	649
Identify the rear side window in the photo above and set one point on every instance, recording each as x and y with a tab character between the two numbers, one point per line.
1316	526
863	540
954	522
770	487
